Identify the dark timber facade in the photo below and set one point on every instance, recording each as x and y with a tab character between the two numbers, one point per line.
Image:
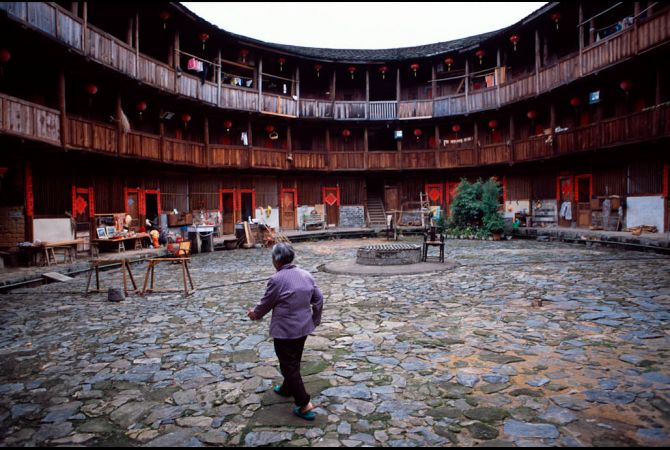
568	105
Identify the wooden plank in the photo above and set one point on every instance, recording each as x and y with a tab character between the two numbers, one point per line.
55	276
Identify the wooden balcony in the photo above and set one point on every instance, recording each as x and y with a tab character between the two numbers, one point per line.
450	106
350	110
483	99
142	145
383	160
230	156
93	136
280	105
494	154
383	110
418	159
269	158
414	109
238	98
184	152
316	109
310	160
29	120
460	157
346	161
536	147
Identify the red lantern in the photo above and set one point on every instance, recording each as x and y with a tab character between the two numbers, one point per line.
417	133
351	70
514	39
5	55
164	15
91	89
269	128
243	54
575	101
318	68
626	85
203	37
456	128
186	118
480	54
556	17
415	68
493	124
531	114
346	133
141	107
227	124
281	62
449	61
383	70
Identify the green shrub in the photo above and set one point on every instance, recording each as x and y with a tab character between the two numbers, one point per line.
474	211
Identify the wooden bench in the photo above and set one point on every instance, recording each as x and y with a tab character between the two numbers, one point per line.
125	267
185	273
313	220
69	250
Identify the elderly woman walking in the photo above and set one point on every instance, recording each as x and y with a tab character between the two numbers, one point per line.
296	303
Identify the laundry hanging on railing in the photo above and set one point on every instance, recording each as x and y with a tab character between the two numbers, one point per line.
195	65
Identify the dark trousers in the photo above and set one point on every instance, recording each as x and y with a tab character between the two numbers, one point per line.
289	352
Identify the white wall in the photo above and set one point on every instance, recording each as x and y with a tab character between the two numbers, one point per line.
52	230
304	210
515	206
644	211
273	220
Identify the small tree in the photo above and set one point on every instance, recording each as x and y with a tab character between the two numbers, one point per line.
492	220
466	208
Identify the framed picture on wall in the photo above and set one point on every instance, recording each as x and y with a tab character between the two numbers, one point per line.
111	231
102	233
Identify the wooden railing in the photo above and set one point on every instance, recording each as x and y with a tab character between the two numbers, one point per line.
230	156
422	159
383	160
277	104
349	110
184	152
383	110
310	160
317	109
89	135
54	20
29	120
494	154
461	157
346	161
142	145
269	158
239	98
537	147
415	108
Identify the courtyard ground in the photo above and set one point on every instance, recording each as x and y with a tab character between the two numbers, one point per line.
456	357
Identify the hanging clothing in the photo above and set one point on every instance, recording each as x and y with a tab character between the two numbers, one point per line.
205	72
490	80
566	210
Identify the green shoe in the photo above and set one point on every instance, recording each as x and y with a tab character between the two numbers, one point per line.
309	415
278	391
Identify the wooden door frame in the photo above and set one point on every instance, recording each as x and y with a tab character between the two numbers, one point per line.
666	192
558	188
91	200
141	207
158	200
575	186
427	186
295	206
325	190
239	201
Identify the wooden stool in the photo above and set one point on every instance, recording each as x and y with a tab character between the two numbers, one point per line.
185	273
48	255
125	267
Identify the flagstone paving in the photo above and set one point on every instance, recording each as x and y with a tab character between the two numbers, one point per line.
459	357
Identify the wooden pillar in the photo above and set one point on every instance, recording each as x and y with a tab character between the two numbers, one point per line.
84	28
64	128
552	126
129	31
328	162
537	61
510	146
208	155
30	202
121	136
467	85
636	34
289	140
581	39
74	8
437	140
297	90
592	32
218	79
433	81
333	83
497	75
250	160
365	147
545	48
477	149
367	94
260	83
659	81
137	43
397	85
161	131
177	58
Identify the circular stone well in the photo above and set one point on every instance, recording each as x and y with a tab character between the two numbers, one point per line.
388	255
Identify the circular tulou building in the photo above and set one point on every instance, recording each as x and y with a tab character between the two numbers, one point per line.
146	108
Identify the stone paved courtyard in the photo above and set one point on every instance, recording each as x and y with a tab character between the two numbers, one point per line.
459	357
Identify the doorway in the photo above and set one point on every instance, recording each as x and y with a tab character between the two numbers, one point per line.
247	203
391	198
584	184
289	198
83	212
152	202
564	197
133	207
227	207
331	201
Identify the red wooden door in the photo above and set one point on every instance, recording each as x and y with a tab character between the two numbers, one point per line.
227	206
564	195
583	192
434	193
83	209
331	201
134	201
289	200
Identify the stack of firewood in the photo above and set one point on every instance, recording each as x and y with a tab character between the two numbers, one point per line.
642	228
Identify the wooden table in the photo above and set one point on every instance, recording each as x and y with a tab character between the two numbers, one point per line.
120	242
125	267
46	249
185	273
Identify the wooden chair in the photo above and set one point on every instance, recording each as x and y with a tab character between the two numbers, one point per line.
430	239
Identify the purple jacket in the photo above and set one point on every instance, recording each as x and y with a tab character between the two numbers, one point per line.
296	303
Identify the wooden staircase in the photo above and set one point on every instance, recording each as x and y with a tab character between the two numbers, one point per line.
376	213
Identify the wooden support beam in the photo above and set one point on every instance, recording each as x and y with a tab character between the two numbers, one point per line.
137	43
297	89
177	58
208	155
478	146
581	39
260	83
510	141
74	8
437	141
367	93
64	129
84	28
289	140
129	31
121	135
218	79
433	81
161	131
30	202
497	75
365	146
537	61
466	80
397	85
333	83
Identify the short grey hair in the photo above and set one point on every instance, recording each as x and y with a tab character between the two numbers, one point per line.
283	253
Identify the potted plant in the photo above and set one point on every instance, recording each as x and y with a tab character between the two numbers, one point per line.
494	224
